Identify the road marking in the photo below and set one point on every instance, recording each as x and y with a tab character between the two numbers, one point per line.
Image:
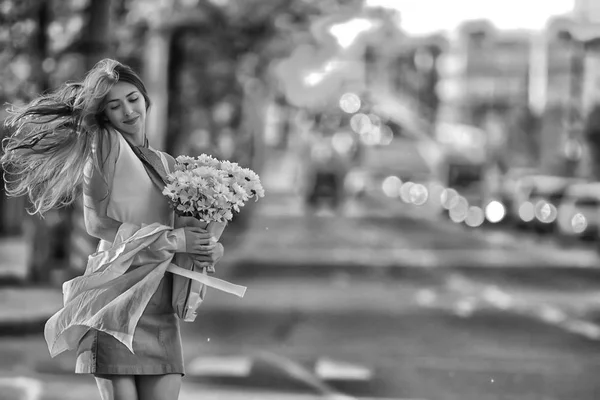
300	373
329	369
223	366
212	394
325	369
584	328
471	296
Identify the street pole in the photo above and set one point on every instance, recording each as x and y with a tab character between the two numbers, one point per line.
574	125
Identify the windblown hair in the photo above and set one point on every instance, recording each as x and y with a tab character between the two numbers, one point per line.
53	137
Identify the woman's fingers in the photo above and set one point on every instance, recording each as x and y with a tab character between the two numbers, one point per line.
209	259
202	264
201	245
196	229
211	253
195	237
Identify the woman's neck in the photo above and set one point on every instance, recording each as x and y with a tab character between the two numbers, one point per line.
135	141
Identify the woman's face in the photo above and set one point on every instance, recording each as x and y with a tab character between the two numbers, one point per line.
126	111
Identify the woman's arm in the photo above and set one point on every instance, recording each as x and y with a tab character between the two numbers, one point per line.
96	191
96	194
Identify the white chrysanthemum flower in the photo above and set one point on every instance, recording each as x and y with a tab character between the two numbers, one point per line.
230	167
207	160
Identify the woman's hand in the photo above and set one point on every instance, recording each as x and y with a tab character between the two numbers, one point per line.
198	240
210	256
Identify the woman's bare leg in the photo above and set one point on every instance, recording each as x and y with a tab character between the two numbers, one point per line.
117	387
158	387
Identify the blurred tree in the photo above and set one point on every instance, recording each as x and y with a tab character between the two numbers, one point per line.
216	51
25	47
44	44
417	76
220	57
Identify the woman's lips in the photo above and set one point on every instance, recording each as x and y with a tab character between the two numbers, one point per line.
131	121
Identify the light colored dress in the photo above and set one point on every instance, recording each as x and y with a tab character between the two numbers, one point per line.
119	314
135	199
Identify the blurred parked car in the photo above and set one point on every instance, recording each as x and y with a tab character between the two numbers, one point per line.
546	196
536	200
517	195
579	211
509	190
330	152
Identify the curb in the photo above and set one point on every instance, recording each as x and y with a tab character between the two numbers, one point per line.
420	270
23	327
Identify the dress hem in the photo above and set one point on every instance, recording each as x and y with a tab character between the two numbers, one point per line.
162	369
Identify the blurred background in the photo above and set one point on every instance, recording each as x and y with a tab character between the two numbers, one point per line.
431	222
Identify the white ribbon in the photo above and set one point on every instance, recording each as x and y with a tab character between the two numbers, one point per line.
209	281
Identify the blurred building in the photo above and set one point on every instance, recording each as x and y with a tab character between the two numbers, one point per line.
565	67
484	70
585	30
557	67
587	11
484	80
532	89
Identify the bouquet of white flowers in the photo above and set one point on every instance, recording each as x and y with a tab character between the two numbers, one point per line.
205	192
210	190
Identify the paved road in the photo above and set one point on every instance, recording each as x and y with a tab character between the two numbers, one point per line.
367	338
436	328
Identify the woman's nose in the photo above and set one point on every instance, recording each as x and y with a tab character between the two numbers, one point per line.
128	110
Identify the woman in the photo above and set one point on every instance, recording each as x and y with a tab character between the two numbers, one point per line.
85	134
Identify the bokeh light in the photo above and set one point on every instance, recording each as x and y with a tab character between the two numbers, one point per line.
449	198
342	142
495	211
475	216
391	186
545	212
579	223
386	135
527	211
360	123
459	211
372	137
405	191
350	103
418	194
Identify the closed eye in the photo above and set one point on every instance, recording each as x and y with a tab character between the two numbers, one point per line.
131	100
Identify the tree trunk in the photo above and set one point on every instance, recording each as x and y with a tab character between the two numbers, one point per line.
97	44
97	32
39	231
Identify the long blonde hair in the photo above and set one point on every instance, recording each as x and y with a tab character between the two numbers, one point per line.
54	136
